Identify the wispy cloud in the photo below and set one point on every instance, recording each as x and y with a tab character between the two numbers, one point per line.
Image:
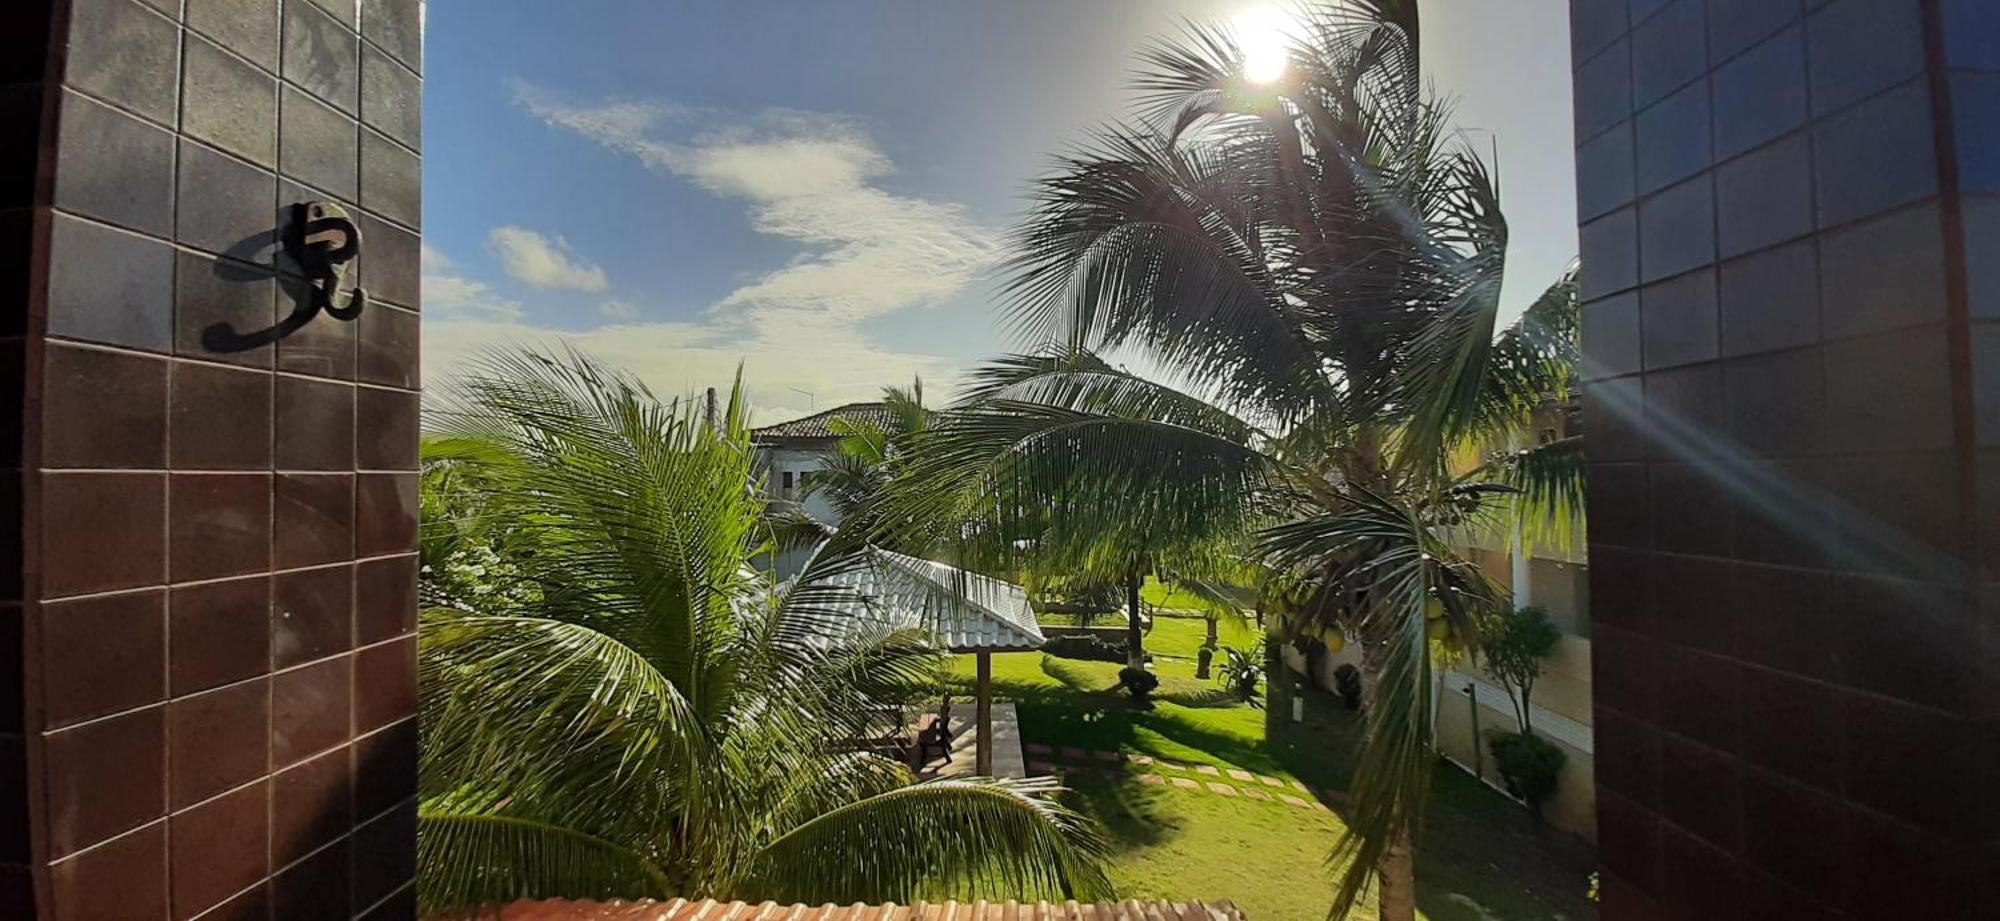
449	294
543	262
807	177
793	329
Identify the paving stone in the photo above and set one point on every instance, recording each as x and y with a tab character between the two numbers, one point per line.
1072	753
1037	748
1185	783
1207	770
1244	776
1221	788
1255	793
1173	765
1154	779
1141	760
1291	800
1106	756
1041	767
1301	786
1271	781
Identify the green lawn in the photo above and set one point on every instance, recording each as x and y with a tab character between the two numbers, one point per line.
1478	858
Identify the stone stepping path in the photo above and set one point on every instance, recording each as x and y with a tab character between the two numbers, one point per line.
1074	761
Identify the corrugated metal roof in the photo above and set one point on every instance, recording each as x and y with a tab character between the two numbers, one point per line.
967	612
819	424
711	910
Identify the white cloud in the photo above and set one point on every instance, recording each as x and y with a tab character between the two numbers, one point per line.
450	294
543	262
806	177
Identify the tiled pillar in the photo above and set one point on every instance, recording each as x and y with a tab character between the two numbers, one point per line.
216	662
1790	222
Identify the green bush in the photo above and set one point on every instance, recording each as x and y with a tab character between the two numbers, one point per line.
1529	765
1138	682
1241	673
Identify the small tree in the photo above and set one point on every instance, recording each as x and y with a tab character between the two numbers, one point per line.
1516	645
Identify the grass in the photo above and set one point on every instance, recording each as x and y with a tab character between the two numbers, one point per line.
1478	859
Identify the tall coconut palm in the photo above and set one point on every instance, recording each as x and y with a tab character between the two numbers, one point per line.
657	717
1319	258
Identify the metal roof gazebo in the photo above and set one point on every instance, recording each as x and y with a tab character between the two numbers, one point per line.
966	611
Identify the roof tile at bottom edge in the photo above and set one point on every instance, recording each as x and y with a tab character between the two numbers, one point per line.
711	910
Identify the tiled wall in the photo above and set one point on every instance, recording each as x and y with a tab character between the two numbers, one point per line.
1790	223
219	658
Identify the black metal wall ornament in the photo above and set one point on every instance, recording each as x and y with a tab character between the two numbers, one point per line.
322	239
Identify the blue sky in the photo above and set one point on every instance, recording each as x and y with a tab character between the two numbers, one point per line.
818	190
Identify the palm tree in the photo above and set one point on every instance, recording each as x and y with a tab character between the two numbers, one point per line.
655	716
1319	258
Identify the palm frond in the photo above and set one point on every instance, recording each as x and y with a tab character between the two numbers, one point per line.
947	838
469	860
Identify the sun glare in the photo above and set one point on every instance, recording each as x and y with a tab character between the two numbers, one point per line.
1262	33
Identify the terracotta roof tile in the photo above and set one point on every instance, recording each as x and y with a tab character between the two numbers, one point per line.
711	910
819	424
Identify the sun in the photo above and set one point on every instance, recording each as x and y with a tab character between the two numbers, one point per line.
1263	34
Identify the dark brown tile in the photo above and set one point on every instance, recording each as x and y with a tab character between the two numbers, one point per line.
1628	840
323	347
397	27
1706	696
221	524
225	204
388	344
114	167
315	424
220	307
1912	763
1698	880
385	768
318	146
220	848
122	52
1628	758
221	418
109	286
1914	641
391	97
252	904
1701	791
1693	601
1620	590
1785	513
1627	672
1618	500
125	880
385	513
1687	412
1782	621
1798	727
1889	392
1777	403
217	740
311	614
247	27
102	531
386	423
385	598
394	267
317	888
219	633
105	777
391	180
1690	511
231	104
402	906
383	860
322	56
1894	514
1894	871
102	654
103	409
310	710
309	806
385	684
315	518
1793	833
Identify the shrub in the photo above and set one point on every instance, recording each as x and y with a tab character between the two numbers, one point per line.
1347	683
1138	682
1085	648
1529	765
1241	673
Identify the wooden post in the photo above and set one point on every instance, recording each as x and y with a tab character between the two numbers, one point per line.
983	761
